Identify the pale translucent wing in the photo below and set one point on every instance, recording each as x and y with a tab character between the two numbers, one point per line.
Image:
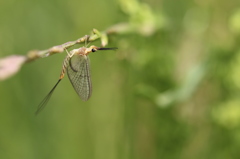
79	74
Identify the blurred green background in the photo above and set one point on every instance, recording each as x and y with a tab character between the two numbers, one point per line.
171	90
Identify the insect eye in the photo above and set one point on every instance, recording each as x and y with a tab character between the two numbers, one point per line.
93	50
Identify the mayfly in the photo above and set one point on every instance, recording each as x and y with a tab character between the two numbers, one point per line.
77	66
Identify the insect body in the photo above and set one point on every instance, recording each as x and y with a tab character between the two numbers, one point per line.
77	66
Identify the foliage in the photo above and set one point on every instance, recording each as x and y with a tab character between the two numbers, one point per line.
170	91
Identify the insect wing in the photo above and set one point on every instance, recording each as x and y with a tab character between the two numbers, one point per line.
79	74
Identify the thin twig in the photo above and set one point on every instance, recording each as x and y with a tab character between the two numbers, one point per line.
10	65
